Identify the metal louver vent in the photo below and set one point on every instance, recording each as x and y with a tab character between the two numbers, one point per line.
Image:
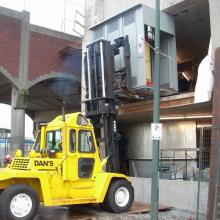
20	163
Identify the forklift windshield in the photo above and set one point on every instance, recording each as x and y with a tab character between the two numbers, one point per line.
54	140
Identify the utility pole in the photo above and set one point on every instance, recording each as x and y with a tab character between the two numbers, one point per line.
156	117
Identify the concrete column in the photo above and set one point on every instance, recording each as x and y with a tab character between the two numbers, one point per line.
17	122
214	6
24	51
18	94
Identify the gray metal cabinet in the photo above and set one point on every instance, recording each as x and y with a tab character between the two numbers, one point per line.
135	22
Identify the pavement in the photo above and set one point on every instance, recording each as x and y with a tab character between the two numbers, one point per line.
91	212
86	212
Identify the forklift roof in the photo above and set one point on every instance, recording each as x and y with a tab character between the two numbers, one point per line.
73	119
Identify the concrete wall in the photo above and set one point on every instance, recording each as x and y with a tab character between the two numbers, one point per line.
28	51
106	8
45	47
175	193
214	6
175	135
10	39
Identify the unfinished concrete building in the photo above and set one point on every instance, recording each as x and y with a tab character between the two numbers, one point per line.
181	117
186	125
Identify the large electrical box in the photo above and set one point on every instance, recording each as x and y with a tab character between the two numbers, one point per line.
138	24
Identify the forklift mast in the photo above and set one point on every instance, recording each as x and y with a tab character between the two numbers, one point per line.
103	85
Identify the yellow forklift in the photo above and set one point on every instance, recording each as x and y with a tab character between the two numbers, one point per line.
64	166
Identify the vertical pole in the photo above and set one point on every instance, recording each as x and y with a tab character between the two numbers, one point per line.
201	147
186	165
89	73
156	116
102	70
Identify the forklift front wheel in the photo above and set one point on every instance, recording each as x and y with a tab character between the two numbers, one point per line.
19	201
120	196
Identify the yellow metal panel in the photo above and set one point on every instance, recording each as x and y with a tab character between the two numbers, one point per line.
148	63
42	140
103	181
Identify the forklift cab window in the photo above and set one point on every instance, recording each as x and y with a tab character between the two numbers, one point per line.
81	120
86	142
37	143
54	140
72	141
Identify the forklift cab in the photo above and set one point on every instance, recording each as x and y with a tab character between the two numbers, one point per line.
73	142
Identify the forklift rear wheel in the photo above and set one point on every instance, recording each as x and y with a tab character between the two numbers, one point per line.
19	201
120	196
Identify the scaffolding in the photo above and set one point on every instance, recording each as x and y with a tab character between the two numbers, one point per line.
174	167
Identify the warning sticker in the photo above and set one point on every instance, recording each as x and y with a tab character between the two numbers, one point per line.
156	131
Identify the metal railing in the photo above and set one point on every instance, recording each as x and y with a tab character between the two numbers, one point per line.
180	163
192	164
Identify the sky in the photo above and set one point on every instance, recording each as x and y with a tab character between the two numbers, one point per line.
54	14
5	120
50	13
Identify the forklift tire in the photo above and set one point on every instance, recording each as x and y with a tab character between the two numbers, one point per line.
19	202
120	196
